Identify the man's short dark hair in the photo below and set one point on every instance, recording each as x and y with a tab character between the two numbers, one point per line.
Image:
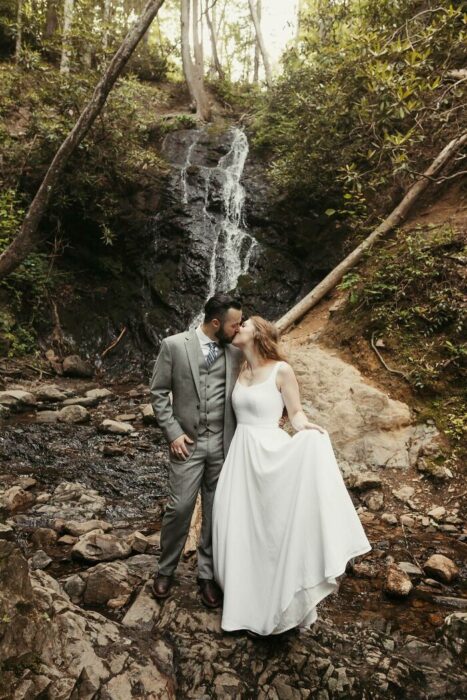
218	305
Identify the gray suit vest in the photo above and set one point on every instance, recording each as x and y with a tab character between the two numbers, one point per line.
212	390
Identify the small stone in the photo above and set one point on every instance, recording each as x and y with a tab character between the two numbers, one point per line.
67	539
407	520
76	528
40	560
137	542
98	393
73	414
50	392
81	401
148	413
17	399
389	518
397	582
16	497
404	493
374	501
75	587
364	481
441	568
120	602
123	417
75	366
47	417
437	513
44	537
409	568
113	426
27	482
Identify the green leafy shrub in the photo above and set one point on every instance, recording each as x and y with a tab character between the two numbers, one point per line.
367	97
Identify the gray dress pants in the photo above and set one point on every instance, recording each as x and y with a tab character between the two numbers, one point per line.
200	470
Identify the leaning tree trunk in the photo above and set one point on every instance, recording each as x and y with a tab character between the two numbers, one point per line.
28	237
68	10
261	44
192	76
394	219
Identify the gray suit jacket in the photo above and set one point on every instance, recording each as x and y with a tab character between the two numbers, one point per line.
176	372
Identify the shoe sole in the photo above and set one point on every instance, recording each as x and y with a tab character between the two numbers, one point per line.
210	605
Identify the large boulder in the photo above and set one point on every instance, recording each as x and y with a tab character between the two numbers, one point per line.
99	546
52	648
75	366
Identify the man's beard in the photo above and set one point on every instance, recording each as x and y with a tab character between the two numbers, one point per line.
222	337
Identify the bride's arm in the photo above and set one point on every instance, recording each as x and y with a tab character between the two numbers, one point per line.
287	383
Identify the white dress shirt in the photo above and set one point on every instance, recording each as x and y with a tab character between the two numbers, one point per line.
204	341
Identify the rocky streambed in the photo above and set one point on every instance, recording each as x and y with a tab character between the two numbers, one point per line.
83	487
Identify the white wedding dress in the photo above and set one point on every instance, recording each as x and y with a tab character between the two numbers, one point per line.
284	525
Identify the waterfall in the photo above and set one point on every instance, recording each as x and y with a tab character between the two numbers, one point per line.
232	245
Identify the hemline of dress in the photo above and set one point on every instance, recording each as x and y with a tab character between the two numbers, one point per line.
329	579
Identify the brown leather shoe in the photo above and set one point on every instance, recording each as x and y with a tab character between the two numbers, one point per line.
211	594
161	585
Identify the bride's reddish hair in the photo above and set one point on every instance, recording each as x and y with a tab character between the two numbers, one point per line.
266	339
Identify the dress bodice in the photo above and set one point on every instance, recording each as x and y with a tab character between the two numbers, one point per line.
259	404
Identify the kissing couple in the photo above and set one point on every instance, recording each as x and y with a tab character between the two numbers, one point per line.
278	525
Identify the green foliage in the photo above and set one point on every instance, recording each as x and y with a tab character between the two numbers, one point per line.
366	97
414	298
148	63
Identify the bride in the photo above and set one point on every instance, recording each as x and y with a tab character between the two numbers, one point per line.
284	525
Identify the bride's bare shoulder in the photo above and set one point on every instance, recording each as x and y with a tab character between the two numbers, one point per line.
285	371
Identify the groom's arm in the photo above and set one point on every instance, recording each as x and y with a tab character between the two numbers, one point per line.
161	387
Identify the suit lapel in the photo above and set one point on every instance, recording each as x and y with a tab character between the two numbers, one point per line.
192	347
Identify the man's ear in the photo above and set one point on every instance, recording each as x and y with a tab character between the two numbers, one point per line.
216	323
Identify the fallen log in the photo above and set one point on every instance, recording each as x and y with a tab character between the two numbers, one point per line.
396	217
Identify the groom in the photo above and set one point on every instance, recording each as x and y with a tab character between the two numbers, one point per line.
199	368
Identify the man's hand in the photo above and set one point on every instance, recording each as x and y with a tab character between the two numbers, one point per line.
178	448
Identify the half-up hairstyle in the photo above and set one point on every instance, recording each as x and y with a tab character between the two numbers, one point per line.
266	339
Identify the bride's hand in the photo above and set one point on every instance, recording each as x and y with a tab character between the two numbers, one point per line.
313	426
301	422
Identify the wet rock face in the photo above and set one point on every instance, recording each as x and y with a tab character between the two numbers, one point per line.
215	226
202	210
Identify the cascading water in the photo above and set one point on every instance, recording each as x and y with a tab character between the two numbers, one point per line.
232	245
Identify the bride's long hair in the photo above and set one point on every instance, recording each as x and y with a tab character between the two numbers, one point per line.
266	339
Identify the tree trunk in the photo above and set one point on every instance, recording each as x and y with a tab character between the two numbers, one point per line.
193	78
394	219
198	53
28	237
106	22
19	30
51	19
261	44
212	26
257	49
68	9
